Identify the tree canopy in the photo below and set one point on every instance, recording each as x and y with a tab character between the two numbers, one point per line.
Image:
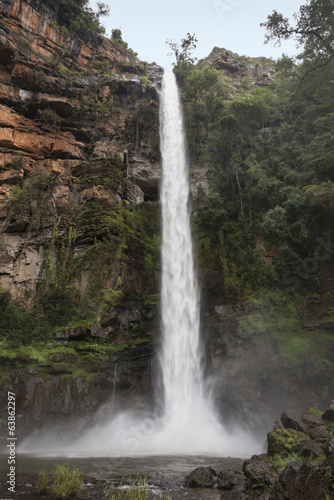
313	29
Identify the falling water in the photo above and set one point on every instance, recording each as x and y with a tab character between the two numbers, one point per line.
188	423
180	357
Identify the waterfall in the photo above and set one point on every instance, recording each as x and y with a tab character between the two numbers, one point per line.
180	357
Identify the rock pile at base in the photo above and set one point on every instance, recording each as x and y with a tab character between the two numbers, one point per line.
298	465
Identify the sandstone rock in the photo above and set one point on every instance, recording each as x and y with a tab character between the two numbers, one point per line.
11	177
202	477
146	175
257	69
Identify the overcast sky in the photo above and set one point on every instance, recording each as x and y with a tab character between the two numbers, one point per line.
232	24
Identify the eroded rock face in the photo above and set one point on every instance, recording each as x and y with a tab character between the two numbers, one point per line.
50	395
258	69
70	107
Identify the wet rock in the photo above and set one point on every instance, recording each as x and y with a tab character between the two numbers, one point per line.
64	356
319	433
329	448
229	479
286	441
312	420
302	481
202	477
329	413
234	495
257	470
291	422
329	461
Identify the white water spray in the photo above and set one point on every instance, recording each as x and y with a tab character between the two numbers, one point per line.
188	424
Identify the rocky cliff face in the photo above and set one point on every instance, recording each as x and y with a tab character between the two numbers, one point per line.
73	111
79	149
259	70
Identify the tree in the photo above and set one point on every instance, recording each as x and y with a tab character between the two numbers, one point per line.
116	36
313	29
183	51
76	15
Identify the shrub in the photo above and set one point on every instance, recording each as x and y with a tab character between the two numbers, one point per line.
136	491
17	161
43	481
67	481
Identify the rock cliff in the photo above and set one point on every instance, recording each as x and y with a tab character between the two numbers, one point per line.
73	110
258	70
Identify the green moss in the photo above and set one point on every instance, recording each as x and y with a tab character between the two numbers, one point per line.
315	411
279	462
285	441
152	299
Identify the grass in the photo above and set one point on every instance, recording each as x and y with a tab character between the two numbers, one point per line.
43	481
315	411
135	491
67	481
279	462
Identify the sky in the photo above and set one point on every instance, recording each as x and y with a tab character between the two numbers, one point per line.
232	24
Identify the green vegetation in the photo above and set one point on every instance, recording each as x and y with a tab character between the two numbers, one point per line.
76	15
269	152
284	442
116	36
43	482
17	161
280	462
33	198
117	238
315	411
135	491
49	116
67	481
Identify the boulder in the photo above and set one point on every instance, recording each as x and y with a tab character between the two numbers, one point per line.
303	481
286	441
311	420
257	470
329	413
229	479
202	477
291	422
